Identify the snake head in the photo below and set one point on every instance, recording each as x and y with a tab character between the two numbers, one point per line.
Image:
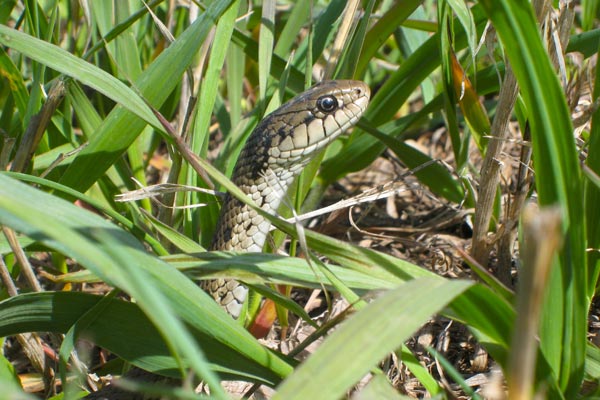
312	120
288	138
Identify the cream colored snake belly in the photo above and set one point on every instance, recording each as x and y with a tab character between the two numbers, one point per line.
277	150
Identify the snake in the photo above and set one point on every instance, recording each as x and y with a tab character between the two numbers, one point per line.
276	151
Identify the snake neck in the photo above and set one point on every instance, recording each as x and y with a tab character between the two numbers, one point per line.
240	228
275	153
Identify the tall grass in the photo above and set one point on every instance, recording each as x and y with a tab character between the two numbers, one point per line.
93	93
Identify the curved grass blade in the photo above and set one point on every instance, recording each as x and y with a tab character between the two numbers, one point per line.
275	269
72	194
87	238
558	181
122	328
382	30
121	128
70	65
351	351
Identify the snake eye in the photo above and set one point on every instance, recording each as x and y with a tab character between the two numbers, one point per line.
327	104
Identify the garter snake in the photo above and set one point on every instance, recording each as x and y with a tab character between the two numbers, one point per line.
280	146
274	154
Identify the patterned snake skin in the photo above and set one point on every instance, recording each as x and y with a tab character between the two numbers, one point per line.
276	152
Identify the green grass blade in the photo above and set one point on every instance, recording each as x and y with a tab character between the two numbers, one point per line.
210	84
121	128
382	30
346	67
274	269
15	80
265	45
297	18
66	63
558	181
100	206
120	327
156	306
592	197
454	374
279	65
592	364
204	113
235	80
589	13
121	27
350	352
87	238
464	16
585	42
419	371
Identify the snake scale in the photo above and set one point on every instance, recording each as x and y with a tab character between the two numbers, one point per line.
280	146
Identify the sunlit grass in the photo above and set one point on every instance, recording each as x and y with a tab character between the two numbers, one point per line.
116	89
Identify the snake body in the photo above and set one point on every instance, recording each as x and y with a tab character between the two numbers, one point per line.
280	146
275	153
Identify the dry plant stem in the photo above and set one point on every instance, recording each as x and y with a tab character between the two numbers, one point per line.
31	138
565	21
505	247
189	90
29	342
541	240
62	157
165	214
184	150
563	29
490	170
341	38
8	144
37	127
22	258
7	279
